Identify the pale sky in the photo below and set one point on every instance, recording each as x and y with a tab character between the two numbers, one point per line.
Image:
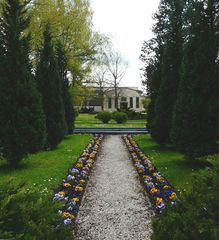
128	23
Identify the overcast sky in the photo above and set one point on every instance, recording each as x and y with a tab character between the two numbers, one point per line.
128	23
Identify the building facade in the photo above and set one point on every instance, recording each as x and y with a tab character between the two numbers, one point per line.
128	98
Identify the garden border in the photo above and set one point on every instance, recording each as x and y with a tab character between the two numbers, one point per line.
72	189
160	192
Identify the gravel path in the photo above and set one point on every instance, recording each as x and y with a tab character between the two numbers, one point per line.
114	206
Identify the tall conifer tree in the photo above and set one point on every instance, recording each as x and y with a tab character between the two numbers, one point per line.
195	121
49	84
170	19
22	122
67	98
152	53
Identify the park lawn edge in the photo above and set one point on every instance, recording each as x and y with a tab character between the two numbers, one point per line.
46	169
169	162
89	120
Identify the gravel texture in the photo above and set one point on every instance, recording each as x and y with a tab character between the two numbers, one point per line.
114	206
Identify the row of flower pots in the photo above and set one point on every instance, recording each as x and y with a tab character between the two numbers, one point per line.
159	190
72	188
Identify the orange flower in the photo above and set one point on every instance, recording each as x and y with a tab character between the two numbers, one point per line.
173	196
61	193
158	201
75	199
154	190
82	182
68	215
79	165
140	170
67	185
159	178
78	188
151	169
145	177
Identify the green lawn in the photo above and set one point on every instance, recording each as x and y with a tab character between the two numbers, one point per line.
47	168
89	120
170	163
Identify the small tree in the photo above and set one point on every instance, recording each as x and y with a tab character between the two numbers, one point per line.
102	83
49	84
67	98
22	122
116	69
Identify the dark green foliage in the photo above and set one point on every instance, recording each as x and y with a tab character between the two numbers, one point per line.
50	86
120	117
67	98
133	115
181	74
76	112
28	214
104	116
196	116
197	215
22	121
151	55
170	16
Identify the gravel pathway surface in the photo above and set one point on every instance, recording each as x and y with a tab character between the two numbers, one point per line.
114	206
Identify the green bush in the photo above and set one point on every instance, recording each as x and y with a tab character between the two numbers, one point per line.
133	115
104	116
27	214
76	112
196	217
120	117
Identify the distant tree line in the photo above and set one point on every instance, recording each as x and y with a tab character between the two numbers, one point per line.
181	74
36	105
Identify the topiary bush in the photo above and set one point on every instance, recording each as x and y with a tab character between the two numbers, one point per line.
104	116
120	117
196	217
28	214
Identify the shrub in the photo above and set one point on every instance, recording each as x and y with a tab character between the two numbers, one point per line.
27	214
197	215
89	110
104	116
133	115
76	112
120	117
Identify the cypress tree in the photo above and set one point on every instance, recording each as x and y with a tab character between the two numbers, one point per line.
195	121
170	15
152	56
22	121
49	84
67	98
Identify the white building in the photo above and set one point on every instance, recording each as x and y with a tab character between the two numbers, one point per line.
129	98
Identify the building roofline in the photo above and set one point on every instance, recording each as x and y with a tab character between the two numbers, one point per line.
111	88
